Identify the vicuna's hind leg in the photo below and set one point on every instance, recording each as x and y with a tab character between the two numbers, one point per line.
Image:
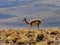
38	26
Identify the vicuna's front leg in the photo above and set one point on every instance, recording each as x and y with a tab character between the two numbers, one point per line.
30	27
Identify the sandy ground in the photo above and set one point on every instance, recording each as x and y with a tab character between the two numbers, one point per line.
22	36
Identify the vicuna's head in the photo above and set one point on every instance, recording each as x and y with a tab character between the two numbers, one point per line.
24	19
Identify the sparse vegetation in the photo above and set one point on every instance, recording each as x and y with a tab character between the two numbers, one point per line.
29	37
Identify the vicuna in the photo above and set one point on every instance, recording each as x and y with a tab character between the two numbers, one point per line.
34	22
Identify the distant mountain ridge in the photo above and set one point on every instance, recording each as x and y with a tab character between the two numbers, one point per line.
11	3
13	11
5	16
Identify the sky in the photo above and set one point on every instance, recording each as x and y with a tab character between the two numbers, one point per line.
13	11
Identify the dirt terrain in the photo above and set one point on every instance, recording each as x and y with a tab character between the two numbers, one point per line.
49	36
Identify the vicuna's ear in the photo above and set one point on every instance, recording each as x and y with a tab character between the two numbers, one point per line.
22	19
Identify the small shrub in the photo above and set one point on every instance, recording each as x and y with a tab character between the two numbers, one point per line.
40	38
53	33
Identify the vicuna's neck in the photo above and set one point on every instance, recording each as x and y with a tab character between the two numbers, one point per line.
26	21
